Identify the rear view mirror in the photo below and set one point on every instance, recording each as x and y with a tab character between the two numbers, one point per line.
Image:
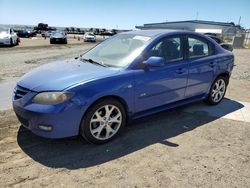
154	61
228	47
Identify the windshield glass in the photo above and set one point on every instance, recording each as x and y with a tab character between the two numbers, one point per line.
4	29
118	51
57	33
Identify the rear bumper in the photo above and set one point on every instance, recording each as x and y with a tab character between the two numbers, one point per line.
64	119
58	40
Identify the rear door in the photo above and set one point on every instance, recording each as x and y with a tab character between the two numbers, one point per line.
202	65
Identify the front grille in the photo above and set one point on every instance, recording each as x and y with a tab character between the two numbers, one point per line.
19	92
23	121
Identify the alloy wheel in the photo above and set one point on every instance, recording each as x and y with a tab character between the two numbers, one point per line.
105	122
218	90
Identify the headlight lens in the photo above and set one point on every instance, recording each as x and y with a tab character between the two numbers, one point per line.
51	98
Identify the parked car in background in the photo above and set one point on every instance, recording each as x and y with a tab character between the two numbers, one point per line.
58	37
25	33
46	33
128	76
8	37
226	46
89	37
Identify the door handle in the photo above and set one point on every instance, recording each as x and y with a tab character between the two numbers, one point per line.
212	64
180	71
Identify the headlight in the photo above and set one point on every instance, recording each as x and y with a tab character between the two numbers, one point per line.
52	97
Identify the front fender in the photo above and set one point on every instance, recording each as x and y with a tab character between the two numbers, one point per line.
120	86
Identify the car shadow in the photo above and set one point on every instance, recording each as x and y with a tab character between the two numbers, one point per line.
74	153
6	46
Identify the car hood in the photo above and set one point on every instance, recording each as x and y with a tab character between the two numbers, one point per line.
89	36
4	34
60	75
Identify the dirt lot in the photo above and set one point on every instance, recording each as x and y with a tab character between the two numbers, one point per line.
170	149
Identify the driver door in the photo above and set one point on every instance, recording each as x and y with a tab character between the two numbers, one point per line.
158	86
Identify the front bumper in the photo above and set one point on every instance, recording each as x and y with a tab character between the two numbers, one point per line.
65	118
5	41
89	40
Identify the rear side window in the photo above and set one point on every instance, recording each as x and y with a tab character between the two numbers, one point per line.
197	48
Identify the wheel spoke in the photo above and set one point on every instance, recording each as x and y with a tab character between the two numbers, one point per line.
109	131
213	93
108	110
98	130
116	119
216	85
98	118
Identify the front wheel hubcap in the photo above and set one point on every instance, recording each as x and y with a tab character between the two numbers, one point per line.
218	90
105	122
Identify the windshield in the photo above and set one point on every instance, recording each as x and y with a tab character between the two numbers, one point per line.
57	33
4	30
118	51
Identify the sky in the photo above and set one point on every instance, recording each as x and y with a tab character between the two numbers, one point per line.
121	14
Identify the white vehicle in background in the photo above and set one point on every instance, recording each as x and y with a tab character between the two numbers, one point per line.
89	37
8	37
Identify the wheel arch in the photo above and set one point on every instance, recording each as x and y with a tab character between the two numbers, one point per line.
225	75
118	98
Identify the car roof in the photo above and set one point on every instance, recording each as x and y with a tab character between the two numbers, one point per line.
153	32
157	32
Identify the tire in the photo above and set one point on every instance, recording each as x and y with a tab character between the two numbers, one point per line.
11	42
217	91
17	42
100	125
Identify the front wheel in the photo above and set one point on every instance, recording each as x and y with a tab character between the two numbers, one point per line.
217	91
11	42
103	121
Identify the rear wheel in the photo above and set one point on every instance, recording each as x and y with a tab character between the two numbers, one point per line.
217	91
103	121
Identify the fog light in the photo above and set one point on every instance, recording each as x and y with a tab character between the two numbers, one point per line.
45	127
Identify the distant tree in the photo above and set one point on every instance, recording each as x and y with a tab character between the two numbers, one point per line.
78	30
42	26
97	31
114	31
72	29
91	30
66	29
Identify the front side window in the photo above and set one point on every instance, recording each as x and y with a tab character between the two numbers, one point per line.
169	48
197	48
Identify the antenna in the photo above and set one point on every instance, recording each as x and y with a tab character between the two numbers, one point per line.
197	15
239	20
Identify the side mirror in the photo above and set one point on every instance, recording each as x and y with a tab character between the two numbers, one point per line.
228	47
154	61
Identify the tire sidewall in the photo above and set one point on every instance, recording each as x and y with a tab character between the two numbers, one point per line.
11	42
85	124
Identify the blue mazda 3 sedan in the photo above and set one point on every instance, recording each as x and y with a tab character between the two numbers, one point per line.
127	76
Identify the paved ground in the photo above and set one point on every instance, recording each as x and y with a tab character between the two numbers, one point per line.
192	146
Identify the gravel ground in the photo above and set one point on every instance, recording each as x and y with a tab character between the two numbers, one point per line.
169	149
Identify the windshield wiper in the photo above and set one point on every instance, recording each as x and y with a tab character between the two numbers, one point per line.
94	62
